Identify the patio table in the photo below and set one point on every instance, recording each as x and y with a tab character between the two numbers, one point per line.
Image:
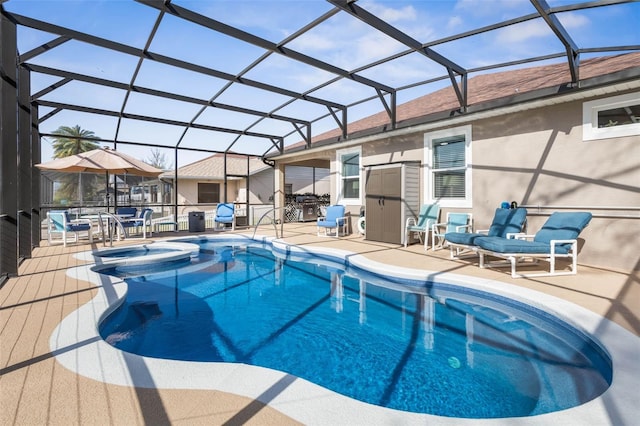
106	220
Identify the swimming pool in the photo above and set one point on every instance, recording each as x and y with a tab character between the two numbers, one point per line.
303	400
418	346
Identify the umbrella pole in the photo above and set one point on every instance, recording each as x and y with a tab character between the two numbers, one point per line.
106	192
80	193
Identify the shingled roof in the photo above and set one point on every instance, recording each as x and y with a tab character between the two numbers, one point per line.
213	167
486	88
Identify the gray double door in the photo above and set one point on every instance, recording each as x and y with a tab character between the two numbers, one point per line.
383	206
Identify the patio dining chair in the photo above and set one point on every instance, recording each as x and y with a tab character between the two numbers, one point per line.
142	220
59	223
455	222
334	219
422	224
225	214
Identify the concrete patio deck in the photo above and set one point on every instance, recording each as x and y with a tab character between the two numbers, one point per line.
35	389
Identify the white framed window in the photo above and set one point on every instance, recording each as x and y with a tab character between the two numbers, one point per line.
612	117
348	176
208	193
447	179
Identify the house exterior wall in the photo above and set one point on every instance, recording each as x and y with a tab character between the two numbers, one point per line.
261	187
188	194
538	158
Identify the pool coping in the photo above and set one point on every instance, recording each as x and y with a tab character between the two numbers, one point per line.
306	402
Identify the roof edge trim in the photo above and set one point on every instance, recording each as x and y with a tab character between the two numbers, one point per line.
620	81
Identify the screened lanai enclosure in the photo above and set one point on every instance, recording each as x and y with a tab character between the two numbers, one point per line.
181	81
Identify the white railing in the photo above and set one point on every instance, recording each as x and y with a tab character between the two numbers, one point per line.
270	217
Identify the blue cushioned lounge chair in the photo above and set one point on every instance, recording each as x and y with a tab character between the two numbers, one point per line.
422	224
334	219
225	214
505	222
556	239
59	223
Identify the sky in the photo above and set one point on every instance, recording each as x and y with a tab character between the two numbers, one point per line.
341	41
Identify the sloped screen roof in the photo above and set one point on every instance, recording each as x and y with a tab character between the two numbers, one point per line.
253	77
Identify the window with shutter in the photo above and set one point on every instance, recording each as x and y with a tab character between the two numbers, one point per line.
448	156
449	168
208	193
349	176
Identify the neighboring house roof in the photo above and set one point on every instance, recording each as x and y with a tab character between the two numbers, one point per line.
487	88
212	168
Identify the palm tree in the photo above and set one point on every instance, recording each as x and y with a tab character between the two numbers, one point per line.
70	141
73	140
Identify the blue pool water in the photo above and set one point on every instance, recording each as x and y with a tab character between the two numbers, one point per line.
414	346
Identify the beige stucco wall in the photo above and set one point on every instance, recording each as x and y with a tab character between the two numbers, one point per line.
188	194
384	151
538	157
261	188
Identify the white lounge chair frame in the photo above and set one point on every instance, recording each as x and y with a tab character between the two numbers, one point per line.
558	225
514	259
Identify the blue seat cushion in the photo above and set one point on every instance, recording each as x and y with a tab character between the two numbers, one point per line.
330	223
464	238
510	245
79	227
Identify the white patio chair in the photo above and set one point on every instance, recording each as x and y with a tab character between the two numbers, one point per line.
59	223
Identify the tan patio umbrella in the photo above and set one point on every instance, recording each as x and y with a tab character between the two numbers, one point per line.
101	160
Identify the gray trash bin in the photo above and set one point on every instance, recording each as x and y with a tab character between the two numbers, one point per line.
196	221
